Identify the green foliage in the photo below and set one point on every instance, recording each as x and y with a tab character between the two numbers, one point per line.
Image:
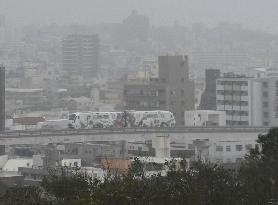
28	195
201	184
67	186
259	171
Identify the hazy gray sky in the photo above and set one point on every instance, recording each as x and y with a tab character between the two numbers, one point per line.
252	13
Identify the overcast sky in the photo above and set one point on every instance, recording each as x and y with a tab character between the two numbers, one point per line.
260	14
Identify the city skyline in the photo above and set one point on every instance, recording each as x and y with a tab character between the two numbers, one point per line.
252	14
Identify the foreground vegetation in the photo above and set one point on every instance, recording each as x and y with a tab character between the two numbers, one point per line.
256	182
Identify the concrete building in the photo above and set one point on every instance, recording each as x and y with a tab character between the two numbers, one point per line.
172	91
93	152
145	96
18	99
208	99
234	94
174	72
81	55
2	98
223	151
205	118
266	101
248	101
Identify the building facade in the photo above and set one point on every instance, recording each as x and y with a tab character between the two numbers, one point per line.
81	55
248	101
174	72
205	118
172	90
266	101
2	98
234	96
208	99
145	96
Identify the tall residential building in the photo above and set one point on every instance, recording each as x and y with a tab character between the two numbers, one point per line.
172	91
248	101
208	99
266	101
81	55
174	72
234	95
2	98
145	96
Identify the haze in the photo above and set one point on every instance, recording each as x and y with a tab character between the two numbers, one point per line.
255	14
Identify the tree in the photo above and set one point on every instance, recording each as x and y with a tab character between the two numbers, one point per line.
201	184
259	171
29	195
68	186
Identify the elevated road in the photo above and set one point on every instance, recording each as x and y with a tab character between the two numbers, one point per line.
129	134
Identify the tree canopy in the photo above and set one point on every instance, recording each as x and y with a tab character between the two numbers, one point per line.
256	182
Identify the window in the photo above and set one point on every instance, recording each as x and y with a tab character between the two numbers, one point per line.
266	114
220	92
182	63
244	93
182	92
238	147
266	124
182	103
220	102
182	80
219	148
244	83
265	84
153	93
219	82
265	104
190	146
248	147
265	94
228	148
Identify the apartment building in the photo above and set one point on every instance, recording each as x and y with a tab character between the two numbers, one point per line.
248	101
234	95
81	55
172	90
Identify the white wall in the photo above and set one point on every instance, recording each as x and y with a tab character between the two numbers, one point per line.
71	162
203	117
256	106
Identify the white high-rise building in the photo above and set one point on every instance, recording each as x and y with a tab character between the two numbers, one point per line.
266	101
81	55
248	101
234	95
